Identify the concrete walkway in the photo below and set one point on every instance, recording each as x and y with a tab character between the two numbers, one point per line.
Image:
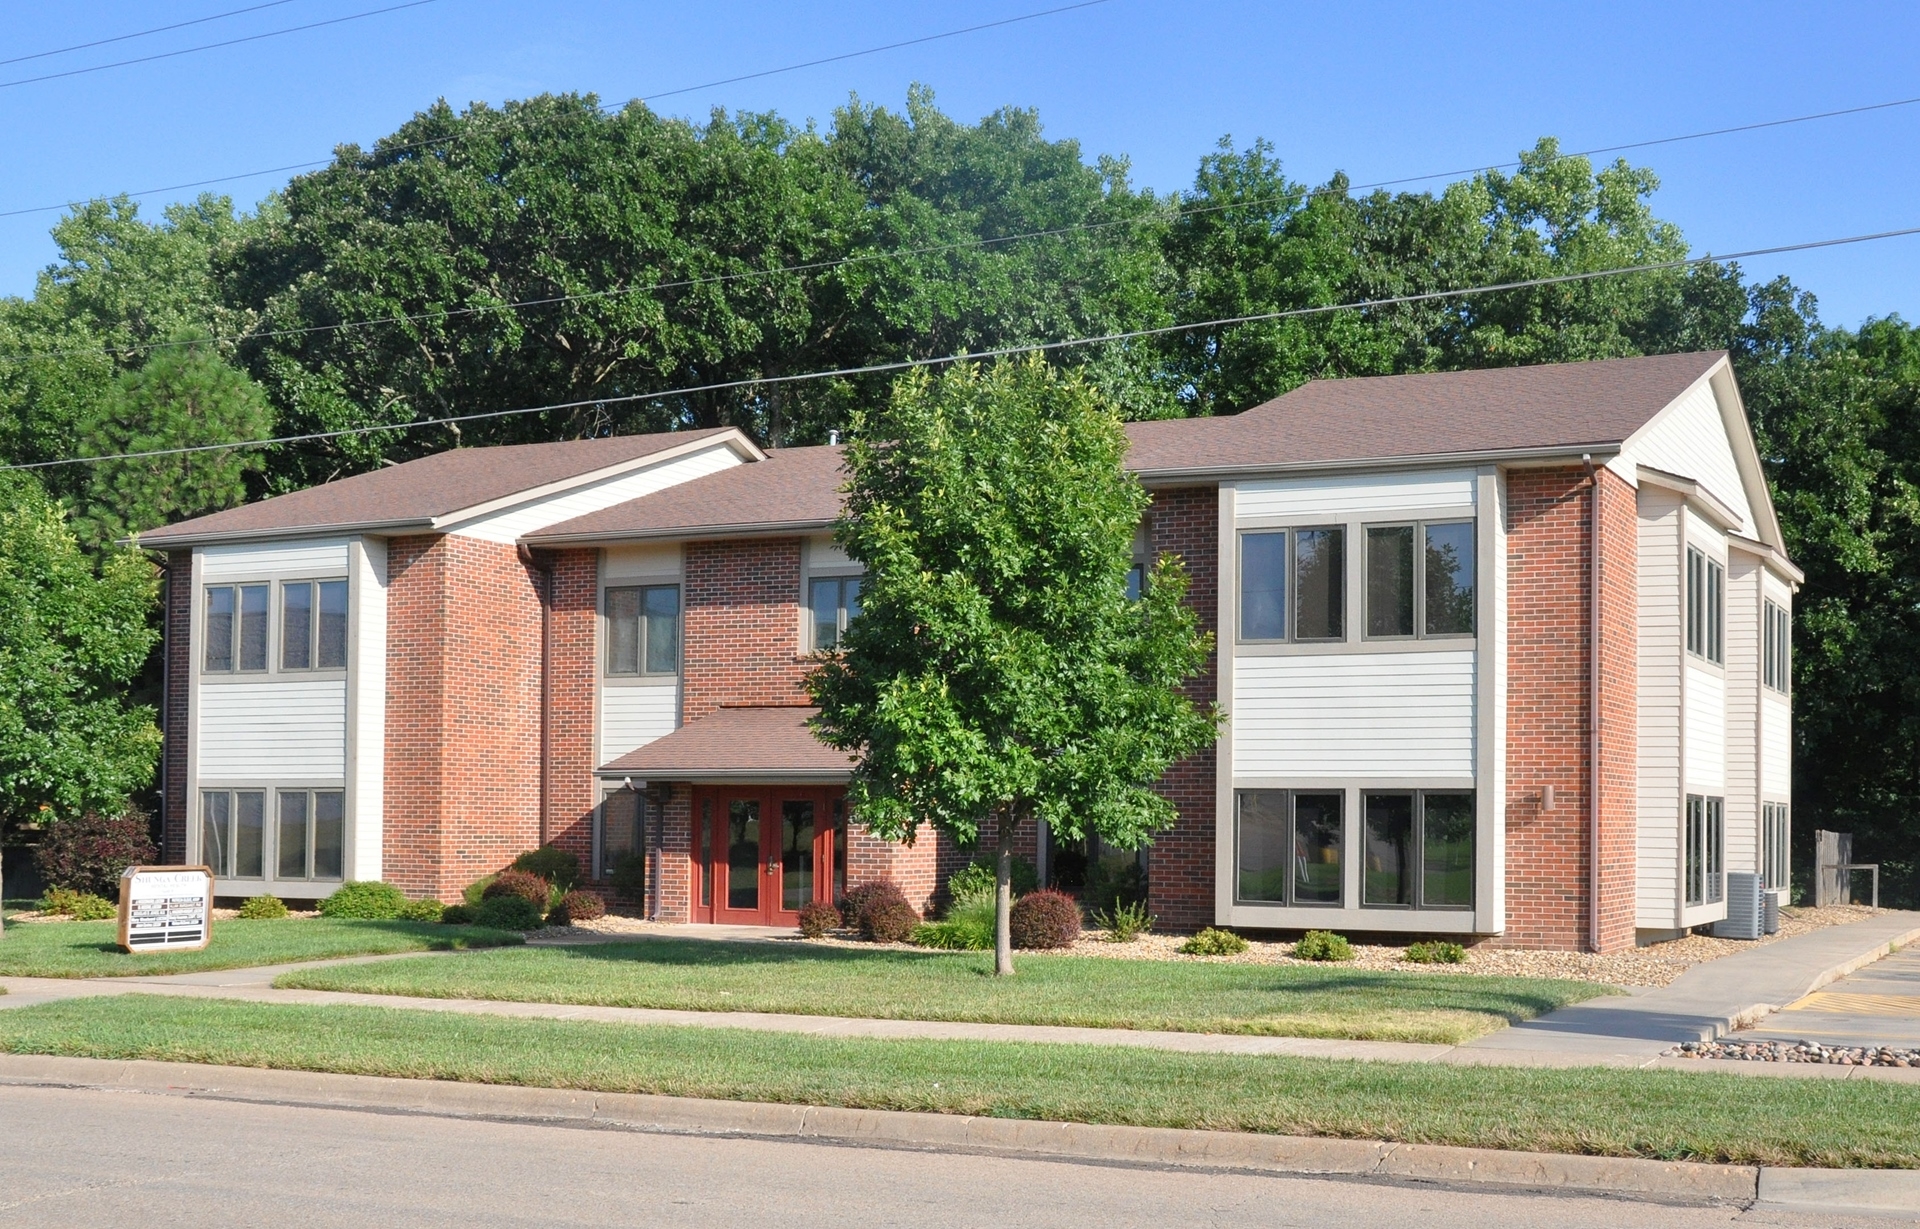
1877	1006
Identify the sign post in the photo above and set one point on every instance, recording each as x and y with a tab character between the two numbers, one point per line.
166	908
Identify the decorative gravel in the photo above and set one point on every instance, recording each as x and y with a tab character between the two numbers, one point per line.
1798	1052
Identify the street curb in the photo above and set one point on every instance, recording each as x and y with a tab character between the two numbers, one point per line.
1661	1181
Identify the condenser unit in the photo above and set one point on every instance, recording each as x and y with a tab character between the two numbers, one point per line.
1746	912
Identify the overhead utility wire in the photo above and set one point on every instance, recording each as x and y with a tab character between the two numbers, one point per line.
232	42
392	149
121	38
942	360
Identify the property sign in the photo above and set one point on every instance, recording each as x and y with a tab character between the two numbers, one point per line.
166	908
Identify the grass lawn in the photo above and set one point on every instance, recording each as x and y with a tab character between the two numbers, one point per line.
703	975
1595	1110
88	949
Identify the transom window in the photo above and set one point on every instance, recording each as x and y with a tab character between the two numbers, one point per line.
236	628
1289	847
1706	845
1293	584
1419	849
1706	607
643	630
1776	657
834	602
313	625
306	840
1776	838
1420	579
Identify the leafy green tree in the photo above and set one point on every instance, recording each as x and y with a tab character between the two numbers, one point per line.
72	638
998	674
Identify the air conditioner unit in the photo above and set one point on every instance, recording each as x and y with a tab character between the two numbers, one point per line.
1746	912
1773	911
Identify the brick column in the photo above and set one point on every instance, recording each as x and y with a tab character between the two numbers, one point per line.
1180	872
572	677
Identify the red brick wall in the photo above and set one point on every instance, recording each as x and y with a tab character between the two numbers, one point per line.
742	621
463	712
573	675
1548	710
173	706
1180	870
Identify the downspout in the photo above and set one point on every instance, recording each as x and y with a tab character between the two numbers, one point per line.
1593	703
533	563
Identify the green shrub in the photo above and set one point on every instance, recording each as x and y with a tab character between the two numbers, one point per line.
80	906
423	911
1437	953
1322	945
968	927
1127	921
263	908
457	915
1044	919
556	866
369	901
578	905
889	920
629	877
477	889
862	898
817	917
507	912
1214	942
87	852
978	879
525	884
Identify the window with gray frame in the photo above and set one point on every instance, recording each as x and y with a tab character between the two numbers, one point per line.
643	630
1706	607
310	836
1288	845
834	602
1776	838
313	625
235	628
1293	584
1418	849
233	832
621	831
1705	852
1776	653
1420	580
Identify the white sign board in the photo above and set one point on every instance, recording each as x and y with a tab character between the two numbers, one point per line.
166	908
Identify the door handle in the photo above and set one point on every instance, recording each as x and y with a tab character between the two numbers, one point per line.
773	866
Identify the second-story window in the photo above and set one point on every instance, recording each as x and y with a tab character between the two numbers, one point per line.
834	601
643	629
1706	607
1420	580
236	628
313	625
1777	653
1293	584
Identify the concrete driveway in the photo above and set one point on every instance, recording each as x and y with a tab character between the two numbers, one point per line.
1877	1006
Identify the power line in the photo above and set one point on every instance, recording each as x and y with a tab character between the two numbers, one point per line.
121	38
232	42
1001	352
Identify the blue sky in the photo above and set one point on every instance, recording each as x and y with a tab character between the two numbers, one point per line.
1379	90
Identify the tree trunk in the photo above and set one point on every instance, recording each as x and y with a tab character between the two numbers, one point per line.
1003	897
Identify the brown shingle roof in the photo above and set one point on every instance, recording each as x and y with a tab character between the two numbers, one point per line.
794	488
416	492
738	743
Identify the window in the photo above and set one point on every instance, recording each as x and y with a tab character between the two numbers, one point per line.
236	628
1136	581
1441	589
643	630
233	832
1777	648
1705	852
313	625
1776	836
1419	850
1289	847
310	837
834	602
622	817
1308	563
1706	607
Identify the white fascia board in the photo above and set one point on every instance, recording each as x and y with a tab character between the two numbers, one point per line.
1771	558
681	533
1707	503
1510	458
280	534
1739	432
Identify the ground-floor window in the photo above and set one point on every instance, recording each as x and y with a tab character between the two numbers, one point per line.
305	840
1419	849
1705	852
1289	847
621	824
1776	834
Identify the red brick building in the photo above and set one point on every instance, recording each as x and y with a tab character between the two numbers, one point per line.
1501	654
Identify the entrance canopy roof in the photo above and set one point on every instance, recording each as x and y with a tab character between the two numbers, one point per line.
770	743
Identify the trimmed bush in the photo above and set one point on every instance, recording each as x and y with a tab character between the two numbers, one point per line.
506	912
862	897
263	908
890	920
817	917
422	911
1322	945
979	879
1437	952
80	906
1214	942
629	876
1044	919
457	915
524	884
578	905
556	866
968	927
369	901
88	852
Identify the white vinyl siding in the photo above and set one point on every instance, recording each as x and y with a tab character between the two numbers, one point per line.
326	557
633	716
1742	753
1360	494
367	711
1689	439
1776	748
1362	715
1706	731
508	525
278	730
1661	652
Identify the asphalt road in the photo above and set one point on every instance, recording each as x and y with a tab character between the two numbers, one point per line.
82	1157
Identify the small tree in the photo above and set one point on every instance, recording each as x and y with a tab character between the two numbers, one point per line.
998	674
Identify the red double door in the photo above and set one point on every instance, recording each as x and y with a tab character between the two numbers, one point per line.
760	852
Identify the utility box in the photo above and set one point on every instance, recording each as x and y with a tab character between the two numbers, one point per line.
1746	907
1772	919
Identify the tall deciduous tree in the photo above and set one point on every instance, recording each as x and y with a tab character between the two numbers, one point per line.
998	675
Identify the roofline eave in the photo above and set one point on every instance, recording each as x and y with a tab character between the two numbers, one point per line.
278	533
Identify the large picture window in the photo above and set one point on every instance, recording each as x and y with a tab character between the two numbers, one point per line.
1776	665
313	625
1289	847
621	818
1420	580
1776	839
643	630
235	628
833	602
1419	849
1706	607
1293	584
310	837
306	838
1705	852
233	832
